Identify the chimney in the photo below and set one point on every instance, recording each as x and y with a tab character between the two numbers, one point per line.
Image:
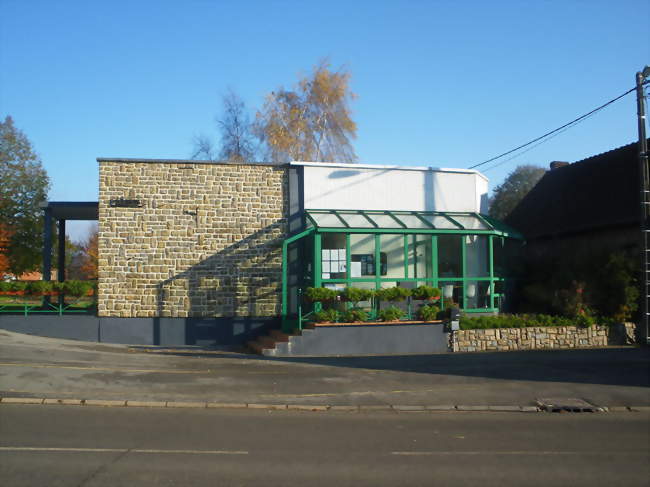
558	164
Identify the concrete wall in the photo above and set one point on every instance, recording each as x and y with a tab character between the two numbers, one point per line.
204	332
204	239
360	187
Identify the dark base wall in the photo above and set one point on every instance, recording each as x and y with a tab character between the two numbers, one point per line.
204	332
365	340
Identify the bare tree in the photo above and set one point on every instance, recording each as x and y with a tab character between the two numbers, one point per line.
237	139
311	123
203	148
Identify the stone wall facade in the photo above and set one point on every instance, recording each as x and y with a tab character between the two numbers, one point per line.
198	240
534	338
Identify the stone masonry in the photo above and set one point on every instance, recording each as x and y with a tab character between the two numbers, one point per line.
533	338
202	239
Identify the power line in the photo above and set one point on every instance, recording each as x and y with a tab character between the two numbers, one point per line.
565	126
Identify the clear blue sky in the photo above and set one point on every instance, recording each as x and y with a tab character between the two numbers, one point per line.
441	83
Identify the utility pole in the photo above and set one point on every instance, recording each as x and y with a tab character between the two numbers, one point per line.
641	80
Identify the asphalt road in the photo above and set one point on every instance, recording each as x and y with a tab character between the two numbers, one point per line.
89	446
45	367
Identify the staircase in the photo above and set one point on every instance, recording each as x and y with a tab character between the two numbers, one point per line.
277	343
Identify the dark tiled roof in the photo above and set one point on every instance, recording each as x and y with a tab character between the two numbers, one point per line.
598	192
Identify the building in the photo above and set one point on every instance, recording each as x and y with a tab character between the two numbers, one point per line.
212	252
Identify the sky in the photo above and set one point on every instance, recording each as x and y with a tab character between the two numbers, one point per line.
439	83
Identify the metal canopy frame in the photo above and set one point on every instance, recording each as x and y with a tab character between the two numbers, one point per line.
451	223
483	223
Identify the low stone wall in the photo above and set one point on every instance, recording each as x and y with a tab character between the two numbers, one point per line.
534	338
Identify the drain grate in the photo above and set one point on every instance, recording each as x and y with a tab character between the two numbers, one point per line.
566	405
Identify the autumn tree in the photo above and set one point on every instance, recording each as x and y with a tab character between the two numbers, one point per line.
238	143
311	123
90	255
23	187
513	189
5	239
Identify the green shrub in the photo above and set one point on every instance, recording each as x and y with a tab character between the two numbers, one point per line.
326	315
355	294
17	286
392	313
428	312
39	287
77	288
322	294
5	286
392	294
425	292
354	314
521	321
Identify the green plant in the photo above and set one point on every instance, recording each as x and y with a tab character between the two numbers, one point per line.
39	287
425	292
521	321
321	294
5	286
77	288
392	313
428	312
354	314
355	294
326	315
17	286
392	294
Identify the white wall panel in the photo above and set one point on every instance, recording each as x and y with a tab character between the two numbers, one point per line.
364	188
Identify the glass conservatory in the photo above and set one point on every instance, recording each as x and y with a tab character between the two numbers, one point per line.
466	255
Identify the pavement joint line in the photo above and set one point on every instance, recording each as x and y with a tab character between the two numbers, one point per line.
104	369
399	408
122	450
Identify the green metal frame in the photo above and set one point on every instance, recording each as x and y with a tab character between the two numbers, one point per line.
495	229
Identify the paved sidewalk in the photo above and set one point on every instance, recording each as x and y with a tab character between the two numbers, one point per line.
62	369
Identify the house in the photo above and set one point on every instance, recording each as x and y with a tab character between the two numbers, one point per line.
213	252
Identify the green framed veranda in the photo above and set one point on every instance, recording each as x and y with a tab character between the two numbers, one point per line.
466	254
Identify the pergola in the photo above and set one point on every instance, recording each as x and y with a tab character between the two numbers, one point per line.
62	211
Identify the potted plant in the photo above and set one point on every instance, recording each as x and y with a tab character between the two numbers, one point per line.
392	313
320	294
426	293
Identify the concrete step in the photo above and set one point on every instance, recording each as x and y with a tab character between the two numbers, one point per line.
279	336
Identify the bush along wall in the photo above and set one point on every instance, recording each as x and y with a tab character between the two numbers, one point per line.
48	288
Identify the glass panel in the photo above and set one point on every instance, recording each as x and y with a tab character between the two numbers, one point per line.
327	220
333	256
392	246
449	256
477	254
356	220
470	222
439	221
452	290
362	255
412	221
477	294
419	256
384	220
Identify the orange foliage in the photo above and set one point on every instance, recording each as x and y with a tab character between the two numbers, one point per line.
5	238
91	255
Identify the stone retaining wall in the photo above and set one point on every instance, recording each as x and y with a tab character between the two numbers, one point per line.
534	338
199	239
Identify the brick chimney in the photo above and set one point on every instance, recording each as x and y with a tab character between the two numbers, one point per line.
558	164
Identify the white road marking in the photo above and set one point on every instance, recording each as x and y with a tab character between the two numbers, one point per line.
522	452
120	450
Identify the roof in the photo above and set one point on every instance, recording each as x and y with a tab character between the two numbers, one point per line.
598	192
384	221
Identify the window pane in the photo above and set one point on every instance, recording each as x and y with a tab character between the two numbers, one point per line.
384	220
362	255
477	294
470	222
327	220
412	221
477	254
452	290
356	220
449	256
440	222
392	246
333	256
419	256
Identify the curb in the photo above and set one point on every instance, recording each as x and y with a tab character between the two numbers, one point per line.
405	409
